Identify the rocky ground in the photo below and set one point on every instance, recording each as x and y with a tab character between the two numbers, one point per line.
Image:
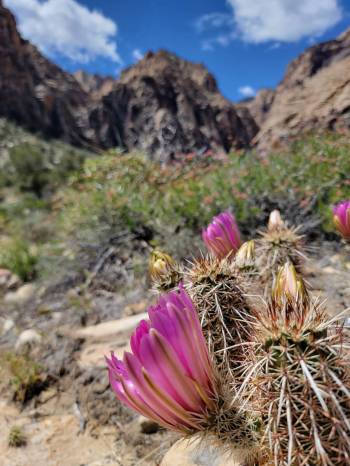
54	385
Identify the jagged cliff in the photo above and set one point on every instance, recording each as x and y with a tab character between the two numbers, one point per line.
163	105
314	95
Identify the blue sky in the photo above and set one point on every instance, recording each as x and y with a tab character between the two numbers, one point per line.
246	44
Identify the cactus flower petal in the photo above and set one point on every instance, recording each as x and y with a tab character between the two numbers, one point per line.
341	217
168	377
222	236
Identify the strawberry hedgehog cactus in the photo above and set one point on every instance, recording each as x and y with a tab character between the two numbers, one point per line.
238	354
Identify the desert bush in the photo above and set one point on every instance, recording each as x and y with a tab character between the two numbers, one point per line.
23	374
17	255
113	194
37	168
16	437
130	190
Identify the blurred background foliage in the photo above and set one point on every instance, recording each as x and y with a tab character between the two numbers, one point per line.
54	207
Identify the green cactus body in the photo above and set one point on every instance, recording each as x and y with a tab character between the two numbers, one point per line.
276	247
218	294
300	372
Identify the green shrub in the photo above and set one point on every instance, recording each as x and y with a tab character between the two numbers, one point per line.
19	257
23	374
130	190
16	437
37	167
116	193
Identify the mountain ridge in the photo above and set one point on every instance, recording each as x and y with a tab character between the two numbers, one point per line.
166	106
163	105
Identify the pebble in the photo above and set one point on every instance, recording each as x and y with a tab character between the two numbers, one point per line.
110	328
28	337
7	326
24	294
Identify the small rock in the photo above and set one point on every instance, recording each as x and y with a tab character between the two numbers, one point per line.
184	453
136	308
5	274
93	355
8	280
21	296
330	270
147	426
7	326
111	328
28	337
335	259
47	395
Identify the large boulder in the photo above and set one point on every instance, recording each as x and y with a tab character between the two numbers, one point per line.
195	453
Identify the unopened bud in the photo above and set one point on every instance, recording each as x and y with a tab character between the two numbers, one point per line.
289	286
160	264
275	221
245	255
341	217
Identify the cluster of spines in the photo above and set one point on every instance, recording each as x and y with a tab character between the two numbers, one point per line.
277	244
218	293
165	272
298	370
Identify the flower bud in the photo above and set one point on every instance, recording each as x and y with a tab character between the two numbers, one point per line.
341	218
289	286
161	264
275	221
222	236
245	256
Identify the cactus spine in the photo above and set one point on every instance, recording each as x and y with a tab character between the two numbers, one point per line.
299	371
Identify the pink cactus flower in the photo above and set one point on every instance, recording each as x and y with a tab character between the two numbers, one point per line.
222	236
168	376
341	218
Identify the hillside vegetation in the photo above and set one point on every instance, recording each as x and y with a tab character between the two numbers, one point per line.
62	225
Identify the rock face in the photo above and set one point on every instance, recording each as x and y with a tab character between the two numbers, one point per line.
163	105
259	106
36	93
314	95
167	106
94	84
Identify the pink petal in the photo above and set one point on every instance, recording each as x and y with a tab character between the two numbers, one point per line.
135	340
163	365
157	400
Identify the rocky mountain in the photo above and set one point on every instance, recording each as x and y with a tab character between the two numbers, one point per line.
163	105
36	93
167	106
260	105
94	84
314	95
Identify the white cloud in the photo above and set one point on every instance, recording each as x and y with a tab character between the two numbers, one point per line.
67	28
137	54
258	21
212	21
283	20
207	45
246	91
